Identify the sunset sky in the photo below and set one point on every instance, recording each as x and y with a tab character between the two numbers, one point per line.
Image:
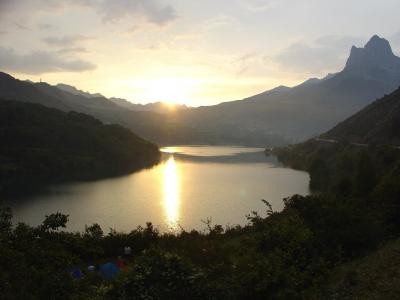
197	52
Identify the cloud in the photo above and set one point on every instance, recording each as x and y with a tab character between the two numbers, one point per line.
339	41
72	50
258	5
245	62
325	54
45	26
154	11
38	62
21	26
67	44
65	41
220	21
395	40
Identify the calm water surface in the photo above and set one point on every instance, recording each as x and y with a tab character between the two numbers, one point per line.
189	185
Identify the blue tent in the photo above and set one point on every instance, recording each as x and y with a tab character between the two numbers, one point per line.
77	273
109	271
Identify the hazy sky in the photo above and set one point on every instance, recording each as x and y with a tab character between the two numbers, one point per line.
198	52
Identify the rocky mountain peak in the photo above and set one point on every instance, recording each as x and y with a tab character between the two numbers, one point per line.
376	56
379	46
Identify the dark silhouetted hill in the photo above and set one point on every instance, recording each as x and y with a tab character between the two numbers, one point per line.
161	128
156	127
41	145
364	144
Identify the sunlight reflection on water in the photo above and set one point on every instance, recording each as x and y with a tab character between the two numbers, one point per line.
171	193
189	185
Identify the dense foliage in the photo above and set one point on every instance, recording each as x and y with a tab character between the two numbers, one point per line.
41	145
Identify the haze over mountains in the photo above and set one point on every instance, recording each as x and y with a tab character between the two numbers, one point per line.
155	107
159	107
271	118
378	123
312	107
73	90
153	126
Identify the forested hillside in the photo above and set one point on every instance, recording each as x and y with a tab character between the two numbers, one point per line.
42	145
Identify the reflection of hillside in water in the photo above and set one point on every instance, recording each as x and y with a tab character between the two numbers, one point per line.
245	157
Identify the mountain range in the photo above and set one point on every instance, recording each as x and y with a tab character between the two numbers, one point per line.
159	107
153	126
311	107
274	117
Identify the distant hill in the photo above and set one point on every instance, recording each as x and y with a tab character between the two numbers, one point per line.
45	94
156	127
13	89
378	123
310	108
42	145
73	90
160	128
158	107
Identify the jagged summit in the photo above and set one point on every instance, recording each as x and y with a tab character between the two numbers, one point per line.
378	45
374	59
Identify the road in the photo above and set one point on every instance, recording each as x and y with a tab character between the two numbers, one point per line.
333	141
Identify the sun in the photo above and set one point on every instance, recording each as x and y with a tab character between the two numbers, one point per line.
171	91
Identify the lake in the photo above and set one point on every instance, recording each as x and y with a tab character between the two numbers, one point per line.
190	184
